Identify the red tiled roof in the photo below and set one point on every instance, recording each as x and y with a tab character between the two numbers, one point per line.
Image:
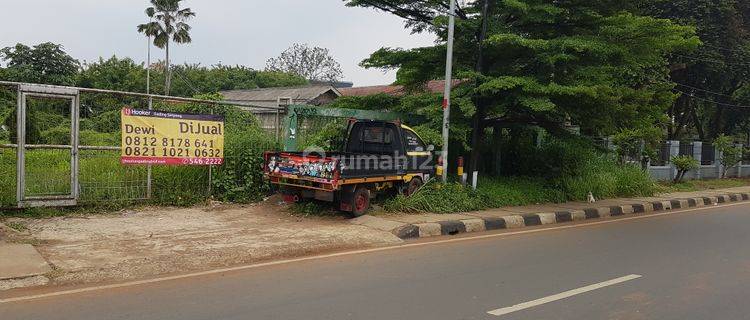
434	86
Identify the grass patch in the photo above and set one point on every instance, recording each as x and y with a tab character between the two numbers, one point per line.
16	225
700	185
598	175
313	208
491	193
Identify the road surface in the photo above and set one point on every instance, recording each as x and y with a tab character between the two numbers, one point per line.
692	265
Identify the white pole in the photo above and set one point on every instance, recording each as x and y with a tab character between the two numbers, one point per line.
448	85
148	64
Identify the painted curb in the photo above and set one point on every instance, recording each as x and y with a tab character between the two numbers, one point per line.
454	227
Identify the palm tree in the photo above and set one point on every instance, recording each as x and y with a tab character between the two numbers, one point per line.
168	23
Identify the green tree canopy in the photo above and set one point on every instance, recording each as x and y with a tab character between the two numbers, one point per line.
43	63
710	79
595	63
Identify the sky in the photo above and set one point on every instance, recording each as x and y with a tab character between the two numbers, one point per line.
246	32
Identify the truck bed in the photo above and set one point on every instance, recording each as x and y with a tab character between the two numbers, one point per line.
334	166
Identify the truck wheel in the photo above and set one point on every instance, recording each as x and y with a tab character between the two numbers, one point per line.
360	202
413	186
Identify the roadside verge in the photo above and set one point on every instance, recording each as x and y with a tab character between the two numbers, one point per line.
430	225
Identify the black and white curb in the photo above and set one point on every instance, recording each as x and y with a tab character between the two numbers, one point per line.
478	224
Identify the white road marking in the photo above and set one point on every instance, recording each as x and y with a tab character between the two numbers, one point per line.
356	252
563	295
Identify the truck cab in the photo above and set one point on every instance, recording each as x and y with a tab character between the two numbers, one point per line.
377	156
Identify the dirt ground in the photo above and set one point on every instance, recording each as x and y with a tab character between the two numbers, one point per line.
156	241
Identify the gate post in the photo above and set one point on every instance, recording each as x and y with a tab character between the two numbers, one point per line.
20	144
674	150
698	155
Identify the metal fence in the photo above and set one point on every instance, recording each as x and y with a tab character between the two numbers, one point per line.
686	149
61	146
708	154
662	155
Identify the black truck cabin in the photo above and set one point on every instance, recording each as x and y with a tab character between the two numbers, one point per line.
378	156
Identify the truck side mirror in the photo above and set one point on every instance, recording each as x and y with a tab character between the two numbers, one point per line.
431	148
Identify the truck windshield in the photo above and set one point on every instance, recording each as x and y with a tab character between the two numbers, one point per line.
373	138
413	142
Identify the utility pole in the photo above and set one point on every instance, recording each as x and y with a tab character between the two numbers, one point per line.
148	64
448	87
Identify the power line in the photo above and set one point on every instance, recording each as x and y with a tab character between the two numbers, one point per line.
179	74
710	60
690	95
703	90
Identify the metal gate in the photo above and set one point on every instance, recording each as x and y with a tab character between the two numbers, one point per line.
46	193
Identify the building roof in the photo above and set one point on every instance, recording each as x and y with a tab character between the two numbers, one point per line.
268	97
434	86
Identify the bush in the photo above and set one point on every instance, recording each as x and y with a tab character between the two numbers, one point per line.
605	178
437	198
93	138
491	193
731	155
557	171
240	179
684	164
58	135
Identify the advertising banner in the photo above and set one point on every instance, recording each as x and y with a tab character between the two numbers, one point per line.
166	138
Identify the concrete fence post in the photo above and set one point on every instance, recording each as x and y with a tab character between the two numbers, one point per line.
739	164
674	150
698	155
717	163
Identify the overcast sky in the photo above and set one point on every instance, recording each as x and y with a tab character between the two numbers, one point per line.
246	32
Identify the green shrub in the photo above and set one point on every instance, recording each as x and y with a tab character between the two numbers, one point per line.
240	179
7	177
684	164
491	193
517	191
104	122
59	135
559	170
605	178
437	198
94	138
731	155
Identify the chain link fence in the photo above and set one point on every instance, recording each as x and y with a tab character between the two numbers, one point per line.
101	178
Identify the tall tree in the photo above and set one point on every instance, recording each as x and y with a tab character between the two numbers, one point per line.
168	23
709	79
311	63
539	62
46	63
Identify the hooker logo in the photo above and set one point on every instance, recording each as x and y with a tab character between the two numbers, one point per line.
127	111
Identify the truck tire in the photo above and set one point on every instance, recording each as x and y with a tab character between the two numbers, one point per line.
360	201
413	186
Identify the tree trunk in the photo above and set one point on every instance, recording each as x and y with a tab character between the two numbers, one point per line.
698	124
481	112
167	73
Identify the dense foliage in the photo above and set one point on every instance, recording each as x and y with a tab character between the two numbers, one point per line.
556	171
713	80
596	63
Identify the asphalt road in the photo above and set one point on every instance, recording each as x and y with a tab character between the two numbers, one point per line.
693	265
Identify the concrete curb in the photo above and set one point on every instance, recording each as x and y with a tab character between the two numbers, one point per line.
478	224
